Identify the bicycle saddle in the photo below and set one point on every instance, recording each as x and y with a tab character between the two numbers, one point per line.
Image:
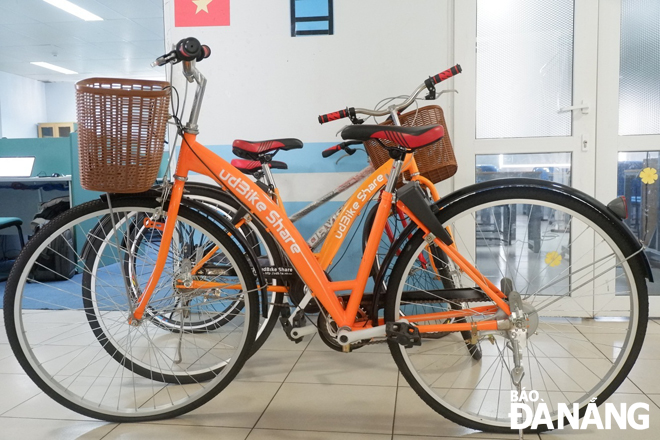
408	137
252	150
252	166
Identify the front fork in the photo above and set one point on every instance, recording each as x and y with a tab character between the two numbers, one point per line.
163	250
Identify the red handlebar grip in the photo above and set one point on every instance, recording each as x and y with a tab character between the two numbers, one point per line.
333	116
447	74
330	151
206	50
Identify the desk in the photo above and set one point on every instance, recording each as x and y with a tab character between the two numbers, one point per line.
21	196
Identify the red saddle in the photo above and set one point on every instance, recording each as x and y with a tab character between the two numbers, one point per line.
252	150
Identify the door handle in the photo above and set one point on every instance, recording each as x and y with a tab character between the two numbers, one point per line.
583	106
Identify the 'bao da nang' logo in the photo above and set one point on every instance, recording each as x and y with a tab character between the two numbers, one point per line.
529	410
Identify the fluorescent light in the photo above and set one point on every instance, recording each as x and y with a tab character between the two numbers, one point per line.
53	67
76	10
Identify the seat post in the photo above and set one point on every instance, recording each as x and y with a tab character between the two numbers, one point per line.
268	175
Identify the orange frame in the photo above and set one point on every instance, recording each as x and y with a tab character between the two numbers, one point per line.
196	158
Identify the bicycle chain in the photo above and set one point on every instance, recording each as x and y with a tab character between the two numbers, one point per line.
384	340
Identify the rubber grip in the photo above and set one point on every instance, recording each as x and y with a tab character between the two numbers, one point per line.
206	50
447	74
333	116
330	151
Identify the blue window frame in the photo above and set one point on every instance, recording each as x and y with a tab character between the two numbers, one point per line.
311	17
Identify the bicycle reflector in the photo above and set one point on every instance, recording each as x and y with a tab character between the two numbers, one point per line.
619	207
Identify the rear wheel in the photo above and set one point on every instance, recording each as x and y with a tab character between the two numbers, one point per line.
586	303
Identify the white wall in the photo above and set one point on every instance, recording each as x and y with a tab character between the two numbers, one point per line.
263	83
23	104
60	102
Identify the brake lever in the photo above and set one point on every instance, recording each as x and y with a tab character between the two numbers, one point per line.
164	59
447	91
433	95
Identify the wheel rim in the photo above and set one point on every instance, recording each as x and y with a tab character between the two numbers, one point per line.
566	344
60	349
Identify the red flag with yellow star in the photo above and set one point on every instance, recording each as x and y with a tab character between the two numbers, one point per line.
201	13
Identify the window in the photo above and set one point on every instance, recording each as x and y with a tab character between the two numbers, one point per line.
524	68
311	17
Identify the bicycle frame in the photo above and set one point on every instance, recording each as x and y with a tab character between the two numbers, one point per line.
197	158
319	235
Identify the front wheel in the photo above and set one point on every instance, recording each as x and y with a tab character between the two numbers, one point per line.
76	342
585	296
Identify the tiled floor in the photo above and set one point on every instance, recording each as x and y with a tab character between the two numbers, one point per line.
300	392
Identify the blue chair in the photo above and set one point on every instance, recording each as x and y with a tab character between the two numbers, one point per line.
8	222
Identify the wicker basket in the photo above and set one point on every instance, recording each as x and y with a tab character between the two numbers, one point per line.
121	132
436	162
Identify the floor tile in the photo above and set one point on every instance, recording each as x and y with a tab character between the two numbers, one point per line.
279	341
414	417
655	398
46	408
651	347
167	432
345	369
271	434
269	365
318	345
640	375
239	406
9	364
333	408
38	429
615	433
479	435
5	349
16	389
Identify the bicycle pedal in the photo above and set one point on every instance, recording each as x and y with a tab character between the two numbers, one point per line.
287	326
403	333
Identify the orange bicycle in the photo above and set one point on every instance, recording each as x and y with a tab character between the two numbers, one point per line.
560	306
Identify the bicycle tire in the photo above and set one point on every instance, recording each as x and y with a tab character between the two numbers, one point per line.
570	339
90	359
263	245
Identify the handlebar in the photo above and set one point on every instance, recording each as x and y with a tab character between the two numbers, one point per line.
429	85
343	146
188	49
446	74
335	115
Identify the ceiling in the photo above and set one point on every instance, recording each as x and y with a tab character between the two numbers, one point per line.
124	44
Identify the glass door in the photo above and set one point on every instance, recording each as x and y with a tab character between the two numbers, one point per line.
628	120
526	108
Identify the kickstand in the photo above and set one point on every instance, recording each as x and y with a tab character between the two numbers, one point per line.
177	360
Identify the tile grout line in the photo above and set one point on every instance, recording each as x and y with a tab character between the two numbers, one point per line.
24	401
108	433
279	388
396	397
